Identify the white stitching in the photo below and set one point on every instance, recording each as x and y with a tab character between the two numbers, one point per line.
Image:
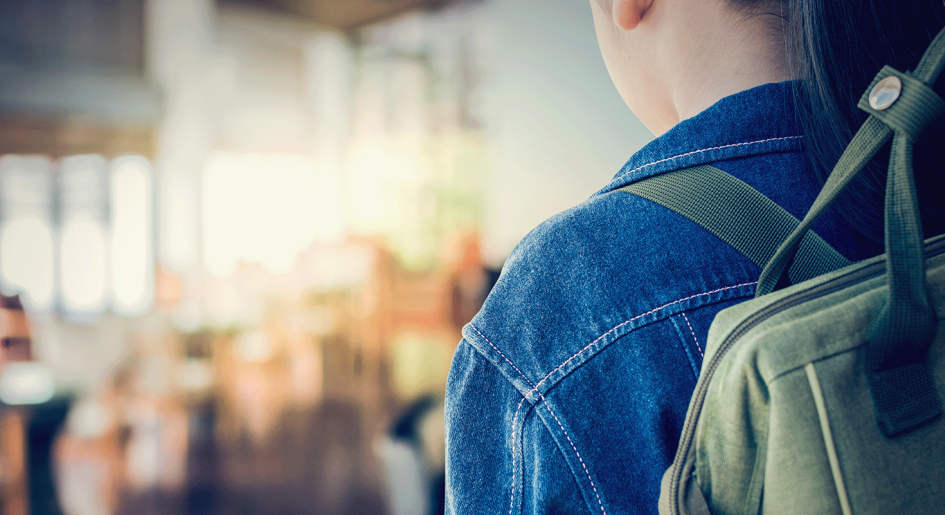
535	389
514	418
545	401
503	355
699	347
707	150
566	435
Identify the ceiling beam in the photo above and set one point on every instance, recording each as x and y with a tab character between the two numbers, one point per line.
344	14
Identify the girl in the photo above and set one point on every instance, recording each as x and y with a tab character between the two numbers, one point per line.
569	389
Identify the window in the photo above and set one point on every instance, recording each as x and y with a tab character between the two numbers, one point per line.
81	239
132	247
26	230
83	263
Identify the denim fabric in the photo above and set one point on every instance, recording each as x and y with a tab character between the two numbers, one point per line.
569	388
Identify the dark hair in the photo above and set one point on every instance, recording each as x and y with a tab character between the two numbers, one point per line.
834	49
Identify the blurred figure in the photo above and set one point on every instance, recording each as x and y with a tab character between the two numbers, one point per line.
88	458
412	456
30	417
15	347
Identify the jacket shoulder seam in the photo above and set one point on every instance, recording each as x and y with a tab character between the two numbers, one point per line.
547	406
507	360
536	396
536	387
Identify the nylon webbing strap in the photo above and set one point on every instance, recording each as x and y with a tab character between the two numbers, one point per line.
917	106
900	382
739	215
898	375
867	141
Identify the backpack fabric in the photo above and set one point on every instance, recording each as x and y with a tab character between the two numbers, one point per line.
788	423
825	396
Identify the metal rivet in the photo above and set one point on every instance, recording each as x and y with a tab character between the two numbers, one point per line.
885	93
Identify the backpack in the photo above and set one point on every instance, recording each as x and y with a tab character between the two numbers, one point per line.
823	396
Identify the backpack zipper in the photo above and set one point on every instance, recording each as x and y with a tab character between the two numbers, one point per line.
698	398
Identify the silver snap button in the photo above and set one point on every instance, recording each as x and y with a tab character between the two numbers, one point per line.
885	93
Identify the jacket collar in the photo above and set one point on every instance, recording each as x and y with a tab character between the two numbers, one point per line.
756	121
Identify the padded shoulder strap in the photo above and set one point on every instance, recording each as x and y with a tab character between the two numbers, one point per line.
739	215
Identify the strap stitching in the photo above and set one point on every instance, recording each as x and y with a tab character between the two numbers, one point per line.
699	347
706	150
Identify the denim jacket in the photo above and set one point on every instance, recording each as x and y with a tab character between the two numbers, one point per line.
569	389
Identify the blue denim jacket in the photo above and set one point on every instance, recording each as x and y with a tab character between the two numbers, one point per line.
569	389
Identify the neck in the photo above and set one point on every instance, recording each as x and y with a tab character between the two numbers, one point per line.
709	59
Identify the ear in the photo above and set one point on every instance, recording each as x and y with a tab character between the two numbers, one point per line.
628	13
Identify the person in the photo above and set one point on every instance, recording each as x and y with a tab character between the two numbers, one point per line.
569	388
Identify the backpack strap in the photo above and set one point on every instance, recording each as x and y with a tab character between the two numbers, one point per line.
897	370
739	215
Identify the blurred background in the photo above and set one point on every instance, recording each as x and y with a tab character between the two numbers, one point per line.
239	238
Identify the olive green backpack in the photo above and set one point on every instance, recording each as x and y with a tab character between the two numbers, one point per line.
823	397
